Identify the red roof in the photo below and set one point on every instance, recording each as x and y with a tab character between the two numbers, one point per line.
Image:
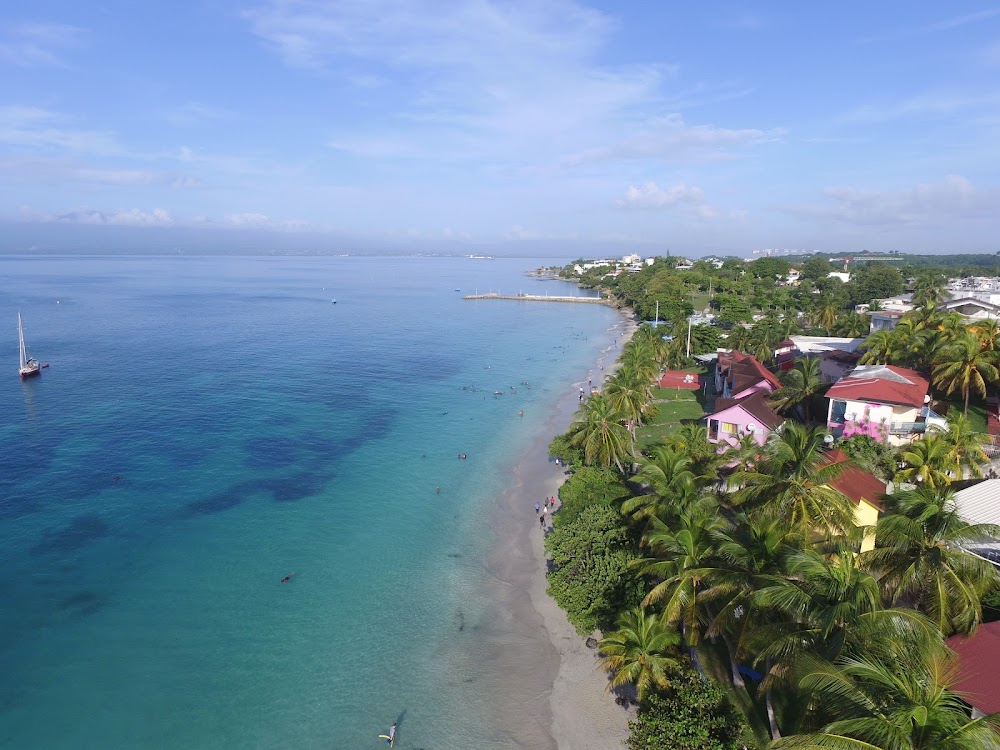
678	379
883	384
747	372
755	405
978	667
854	481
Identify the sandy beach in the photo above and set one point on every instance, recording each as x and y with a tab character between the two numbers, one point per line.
559	695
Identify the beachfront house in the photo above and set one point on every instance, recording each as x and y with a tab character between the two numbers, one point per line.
886	402
865	490
734	418
973	310
738	375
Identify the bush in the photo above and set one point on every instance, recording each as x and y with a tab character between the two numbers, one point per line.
560	447
588	486
871	455
590	576
689	715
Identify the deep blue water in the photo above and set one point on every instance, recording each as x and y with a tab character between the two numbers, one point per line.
258	430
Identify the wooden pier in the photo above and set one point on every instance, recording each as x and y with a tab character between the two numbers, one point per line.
539	298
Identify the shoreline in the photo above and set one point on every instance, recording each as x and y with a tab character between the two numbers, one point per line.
566	706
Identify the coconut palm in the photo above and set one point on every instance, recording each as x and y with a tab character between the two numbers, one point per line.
639	358
681	560
966	448
853	324
920	562
830	607
600	432
640	652
630	395
926	461
877	704
791	481
825	314
800	386
965	367
668	474
988	333
880	348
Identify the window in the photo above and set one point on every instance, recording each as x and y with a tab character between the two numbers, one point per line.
728	428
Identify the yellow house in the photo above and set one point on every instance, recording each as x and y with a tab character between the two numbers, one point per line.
865	491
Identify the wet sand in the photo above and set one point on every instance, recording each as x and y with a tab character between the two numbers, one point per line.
557	696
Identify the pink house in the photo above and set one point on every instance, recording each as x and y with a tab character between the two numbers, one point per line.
734	418
738	375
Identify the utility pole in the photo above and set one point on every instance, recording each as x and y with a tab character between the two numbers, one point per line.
689	337
656	323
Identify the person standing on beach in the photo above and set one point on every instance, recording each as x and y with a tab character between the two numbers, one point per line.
541	520
581	393
537	508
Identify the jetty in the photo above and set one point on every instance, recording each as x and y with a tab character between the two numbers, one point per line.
540	298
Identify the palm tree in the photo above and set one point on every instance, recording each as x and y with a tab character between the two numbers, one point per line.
792	482
599	431
988	332
853	324
877	704
879	348
926	461
668	473
964	366
639	357
681	560
825	314
966	448
800	386
640	652
631	395
830	607
920	561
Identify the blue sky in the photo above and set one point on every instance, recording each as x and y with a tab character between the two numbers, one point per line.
457	125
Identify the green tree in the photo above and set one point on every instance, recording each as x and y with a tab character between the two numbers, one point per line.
799	387
690	714
791	481
588	486
965	367
920	562
880	348
925	461
641	651
853	324
966	448
600	432
590	576
871	455
875	281
880	705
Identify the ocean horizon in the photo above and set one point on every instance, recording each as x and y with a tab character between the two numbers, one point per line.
209	426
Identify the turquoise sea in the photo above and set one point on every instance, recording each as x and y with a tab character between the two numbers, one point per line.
210	425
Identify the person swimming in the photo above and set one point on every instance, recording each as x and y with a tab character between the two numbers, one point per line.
287	578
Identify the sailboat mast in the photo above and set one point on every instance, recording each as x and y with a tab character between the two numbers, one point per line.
20	338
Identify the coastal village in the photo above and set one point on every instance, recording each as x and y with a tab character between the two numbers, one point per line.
782	512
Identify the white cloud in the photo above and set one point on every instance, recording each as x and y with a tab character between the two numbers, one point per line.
931	104
31	45
651	195
42	129
671	139
36	170
952	199
946	24
134	217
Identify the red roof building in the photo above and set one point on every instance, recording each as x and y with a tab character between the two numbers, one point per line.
883	384
978	667
739	374
854	481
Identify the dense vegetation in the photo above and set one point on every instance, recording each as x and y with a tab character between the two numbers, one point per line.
743	569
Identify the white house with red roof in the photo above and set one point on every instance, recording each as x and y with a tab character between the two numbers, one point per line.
888	403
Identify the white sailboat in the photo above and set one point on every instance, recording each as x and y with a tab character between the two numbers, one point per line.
29	365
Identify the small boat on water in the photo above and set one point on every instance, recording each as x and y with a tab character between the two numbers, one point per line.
29	365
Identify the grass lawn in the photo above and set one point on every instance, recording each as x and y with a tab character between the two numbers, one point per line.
673	408
977	413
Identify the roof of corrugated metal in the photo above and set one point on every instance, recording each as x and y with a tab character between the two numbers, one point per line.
980	503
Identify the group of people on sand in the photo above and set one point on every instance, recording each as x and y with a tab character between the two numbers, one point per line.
543	508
